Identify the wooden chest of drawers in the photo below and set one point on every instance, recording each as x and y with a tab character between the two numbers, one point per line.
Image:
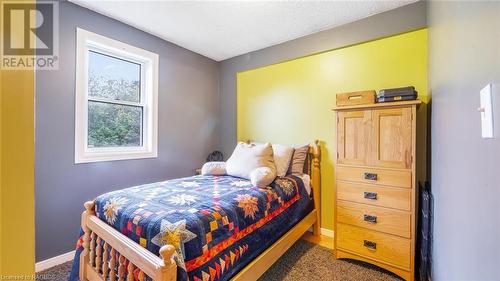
375	186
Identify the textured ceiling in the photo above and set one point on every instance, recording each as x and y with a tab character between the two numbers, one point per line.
224	29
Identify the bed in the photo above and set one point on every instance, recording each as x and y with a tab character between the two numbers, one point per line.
197	228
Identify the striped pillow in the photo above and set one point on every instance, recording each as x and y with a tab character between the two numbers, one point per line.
296	167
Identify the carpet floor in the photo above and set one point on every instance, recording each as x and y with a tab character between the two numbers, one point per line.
304	261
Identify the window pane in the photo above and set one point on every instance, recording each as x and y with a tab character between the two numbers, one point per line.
114	125
114	78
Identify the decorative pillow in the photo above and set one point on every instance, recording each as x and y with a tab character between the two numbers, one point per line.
214	168
298	160
248	157
262	177
282	157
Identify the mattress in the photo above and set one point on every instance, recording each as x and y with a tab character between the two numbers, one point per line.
218	224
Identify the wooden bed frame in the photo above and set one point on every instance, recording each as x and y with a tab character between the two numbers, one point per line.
101	243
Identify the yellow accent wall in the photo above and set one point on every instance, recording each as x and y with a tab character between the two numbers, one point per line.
291	102
17	204
17	139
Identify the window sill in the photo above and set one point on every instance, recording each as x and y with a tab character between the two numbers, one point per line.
91	157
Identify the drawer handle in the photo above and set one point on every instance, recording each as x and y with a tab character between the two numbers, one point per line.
370	195
370	218
370	245
370	176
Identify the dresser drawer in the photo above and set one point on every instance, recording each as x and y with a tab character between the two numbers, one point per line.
375	245
397	198
376	218
398	178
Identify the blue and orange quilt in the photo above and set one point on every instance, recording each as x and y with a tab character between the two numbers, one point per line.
217	224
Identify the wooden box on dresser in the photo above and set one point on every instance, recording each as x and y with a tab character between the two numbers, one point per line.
375	185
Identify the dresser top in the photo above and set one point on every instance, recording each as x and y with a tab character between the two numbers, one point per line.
377	105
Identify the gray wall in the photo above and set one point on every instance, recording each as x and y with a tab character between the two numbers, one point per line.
464	47
188	109
403	19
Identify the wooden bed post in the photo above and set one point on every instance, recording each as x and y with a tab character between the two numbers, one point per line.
169	268
84	256
315	151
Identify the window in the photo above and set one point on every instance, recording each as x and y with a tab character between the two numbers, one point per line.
116	100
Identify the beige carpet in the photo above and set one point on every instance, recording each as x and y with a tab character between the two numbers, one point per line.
303	262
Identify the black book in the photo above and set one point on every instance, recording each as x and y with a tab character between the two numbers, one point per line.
405	91
396	98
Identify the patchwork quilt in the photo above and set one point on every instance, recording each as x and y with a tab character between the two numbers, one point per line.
217	224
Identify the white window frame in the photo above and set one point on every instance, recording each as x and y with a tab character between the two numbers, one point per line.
89	41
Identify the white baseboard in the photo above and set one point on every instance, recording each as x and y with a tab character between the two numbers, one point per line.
326	232
48	263
323	231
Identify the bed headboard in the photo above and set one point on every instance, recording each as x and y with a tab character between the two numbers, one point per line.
312	167
313	158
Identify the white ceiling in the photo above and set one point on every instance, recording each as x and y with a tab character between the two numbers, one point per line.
224	29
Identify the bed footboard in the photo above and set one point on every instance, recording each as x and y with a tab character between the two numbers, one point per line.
108	254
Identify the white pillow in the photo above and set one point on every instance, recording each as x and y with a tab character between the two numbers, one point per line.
214	168
248	157
282	158
262	177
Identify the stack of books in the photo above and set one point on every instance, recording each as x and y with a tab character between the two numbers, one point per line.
397	94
